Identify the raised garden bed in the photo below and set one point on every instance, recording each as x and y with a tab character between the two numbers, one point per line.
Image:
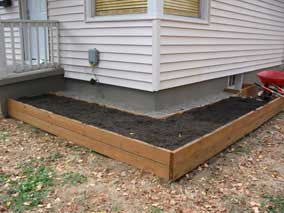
168	147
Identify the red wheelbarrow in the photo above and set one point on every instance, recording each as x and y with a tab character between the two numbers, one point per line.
272	83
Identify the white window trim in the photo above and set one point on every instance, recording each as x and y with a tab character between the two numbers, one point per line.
155	11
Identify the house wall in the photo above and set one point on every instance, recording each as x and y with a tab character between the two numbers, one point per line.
125	47
242	36
10	12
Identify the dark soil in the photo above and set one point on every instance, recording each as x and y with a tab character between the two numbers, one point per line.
171	133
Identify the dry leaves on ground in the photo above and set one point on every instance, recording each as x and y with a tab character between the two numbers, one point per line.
248	177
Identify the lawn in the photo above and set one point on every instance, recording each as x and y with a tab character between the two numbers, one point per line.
43	173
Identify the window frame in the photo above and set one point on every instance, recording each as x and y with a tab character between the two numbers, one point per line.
155	10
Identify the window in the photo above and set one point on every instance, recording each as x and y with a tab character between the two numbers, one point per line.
188	8
195	11
232	81
120	7
235	81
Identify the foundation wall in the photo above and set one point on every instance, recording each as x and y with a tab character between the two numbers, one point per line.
131	99
29	85
150	103
155	104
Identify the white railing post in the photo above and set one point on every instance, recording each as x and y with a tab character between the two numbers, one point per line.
46	52
22	33
3	59
39	45
51	42
29	39
58	43
13	48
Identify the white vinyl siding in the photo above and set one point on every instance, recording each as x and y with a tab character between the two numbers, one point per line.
242	36
10	12
125	47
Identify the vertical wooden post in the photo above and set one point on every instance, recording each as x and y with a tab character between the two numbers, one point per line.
3	62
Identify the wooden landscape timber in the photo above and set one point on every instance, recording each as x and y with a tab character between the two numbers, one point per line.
197	152
248	90
167	164
131	151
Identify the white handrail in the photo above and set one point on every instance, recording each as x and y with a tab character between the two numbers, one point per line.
28	45
29	21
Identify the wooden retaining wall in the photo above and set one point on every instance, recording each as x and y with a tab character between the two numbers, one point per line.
166	164
134	152
191	155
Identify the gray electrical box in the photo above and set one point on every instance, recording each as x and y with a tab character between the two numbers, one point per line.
94	57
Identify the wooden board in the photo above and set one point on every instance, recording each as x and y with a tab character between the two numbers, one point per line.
133	152
248	90
197	152
167	164
232	91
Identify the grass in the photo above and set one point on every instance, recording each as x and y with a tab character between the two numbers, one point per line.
115	209
28	190
54	156
3	178
4	136
34	182
156	210
73	178
36	131
235	203
242	150
273	204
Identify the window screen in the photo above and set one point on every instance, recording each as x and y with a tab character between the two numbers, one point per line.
189	8
120	7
